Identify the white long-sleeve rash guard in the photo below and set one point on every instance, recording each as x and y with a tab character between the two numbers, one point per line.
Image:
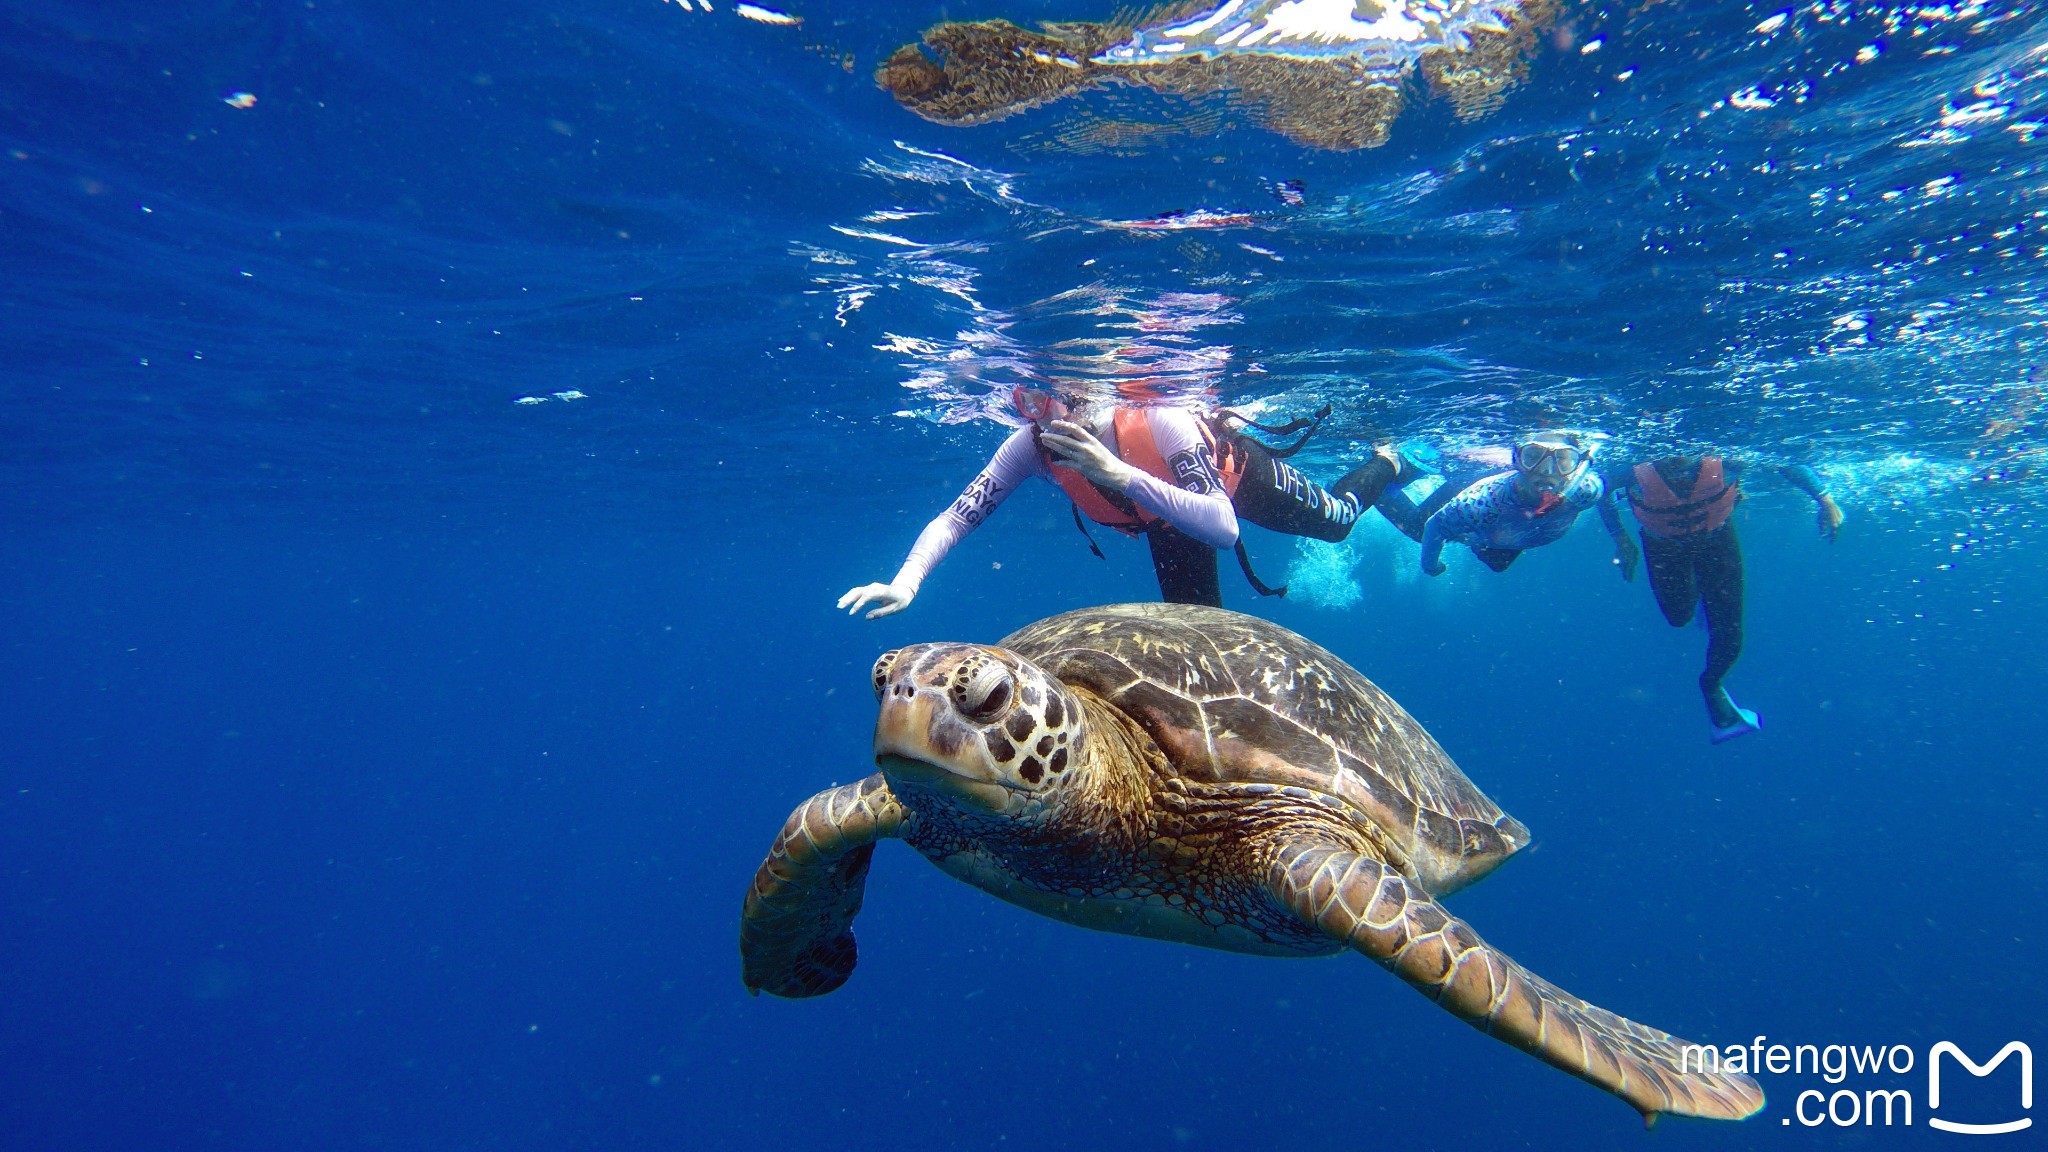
1199	506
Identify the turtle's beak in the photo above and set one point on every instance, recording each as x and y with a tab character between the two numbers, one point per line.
921	742
910	776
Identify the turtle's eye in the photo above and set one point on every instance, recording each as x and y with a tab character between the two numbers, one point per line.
982	692
883	667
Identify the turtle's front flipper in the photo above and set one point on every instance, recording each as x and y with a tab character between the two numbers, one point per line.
1370	906
796	929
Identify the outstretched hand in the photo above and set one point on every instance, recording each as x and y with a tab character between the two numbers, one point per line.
1829	514
888	599
1077	448
1627	557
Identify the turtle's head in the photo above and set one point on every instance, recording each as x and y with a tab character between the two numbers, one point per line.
984	727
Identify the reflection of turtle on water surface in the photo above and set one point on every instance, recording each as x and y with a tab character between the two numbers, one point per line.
1193	775
1325	73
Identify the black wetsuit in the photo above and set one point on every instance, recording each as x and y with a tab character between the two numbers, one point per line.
1702	572
1273	495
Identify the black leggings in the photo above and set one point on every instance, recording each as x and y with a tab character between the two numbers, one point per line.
1186	568
1272	495
1275	496
1703	571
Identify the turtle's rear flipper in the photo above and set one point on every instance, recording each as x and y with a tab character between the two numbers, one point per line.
1370	906
796	929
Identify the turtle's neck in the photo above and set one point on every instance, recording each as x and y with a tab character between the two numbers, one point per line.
1108	799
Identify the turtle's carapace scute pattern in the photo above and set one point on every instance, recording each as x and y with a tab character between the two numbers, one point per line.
1193	775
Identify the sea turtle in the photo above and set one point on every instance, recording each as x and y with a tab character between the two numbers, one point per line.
1323	73
1195	775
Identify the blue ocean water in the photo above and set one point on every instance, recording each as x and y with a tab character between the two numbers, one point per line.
383	759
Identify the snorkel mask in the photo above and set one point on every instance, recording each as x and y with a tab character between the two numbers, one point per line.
1038	406
1553	464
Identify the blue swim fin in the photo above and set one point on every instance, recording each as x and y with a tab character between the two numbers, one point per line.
1745	721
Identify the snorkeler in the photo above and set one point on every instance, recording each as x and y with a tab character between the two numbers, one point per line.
1181	479
1684	506
1503	515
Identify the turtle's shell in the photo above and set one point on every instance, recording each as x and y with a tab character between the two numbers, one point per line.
1235	699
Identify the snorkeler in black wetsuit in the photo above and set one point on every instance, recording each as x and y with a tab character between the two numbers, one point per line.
1276	496
1684	506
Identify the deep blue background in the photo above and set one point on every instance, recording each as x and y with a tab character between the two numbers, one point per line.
432	837
381	763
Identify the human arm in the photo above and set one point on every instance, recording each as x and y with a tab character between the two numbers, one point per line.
1462	518
937	539
1827	513
1433	539
1626	554
1195	502
1016	461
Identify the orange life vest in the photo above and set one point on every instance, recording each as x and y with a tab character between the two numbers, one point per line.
1136	446
1704	509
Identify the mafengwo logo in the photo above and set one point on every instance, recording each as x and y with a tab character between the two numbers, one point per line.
1882	1095
1945	1048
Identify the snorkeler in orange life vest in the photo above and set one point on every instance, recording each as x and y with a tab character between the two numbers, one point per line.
1684	507
1181	479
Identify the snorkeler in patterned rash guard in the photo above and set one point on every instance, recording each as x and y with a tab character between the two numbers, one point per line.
1171	475
1504	515
1684	506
